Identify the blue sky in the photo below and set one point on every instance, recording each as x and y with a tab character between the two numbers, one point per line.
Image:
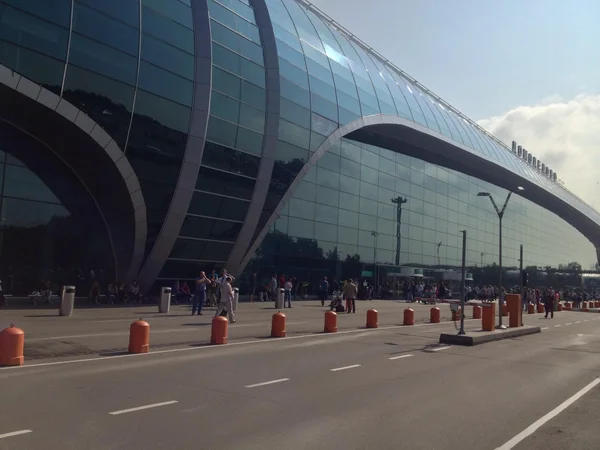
484	56
527	70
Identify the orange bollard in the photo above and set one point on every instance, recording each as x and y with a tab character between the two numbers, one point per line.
139	337
330	322
434	315
278	325
513	304
218	332
476	312
488	317
540	307
531	308
409	317
12	343
584	305
372	318
456	314
560	307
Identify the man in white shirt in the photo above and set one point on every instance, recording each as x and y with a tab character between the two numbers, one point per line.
226	300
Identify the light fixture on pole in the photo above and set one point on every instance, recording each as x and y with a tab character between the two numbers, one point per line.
398	201
500	213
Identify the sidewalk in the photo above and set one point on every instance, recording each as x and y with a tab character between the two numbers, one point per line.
105	329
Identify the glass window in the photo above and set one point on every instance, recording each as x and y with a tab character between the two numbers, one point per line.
302	208
305	191
226	83
301	228
253	95
349	185
58	11
173	9
168	114
289	153
252	118
324	213
41	69
181	270
95	95
226	59
125	10
249	141
327	196
166	56
21	182
330	161
294	113
324	107
294	134
224	107
323	126
224	158
221	132
294	92
203	228
326	232
251	51
200	250
29	31
293	73
212	205
328	178
252	72
165	84
224	183
349	201
167	30
104	29
102	59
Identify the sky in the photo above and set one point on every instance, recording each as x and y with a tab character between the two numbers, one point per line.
526	70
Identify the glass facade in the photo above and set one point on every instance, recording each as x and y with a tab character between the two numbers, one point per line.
131	69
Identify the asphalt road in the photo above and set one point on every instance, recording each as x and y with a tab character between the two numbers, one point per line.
360	389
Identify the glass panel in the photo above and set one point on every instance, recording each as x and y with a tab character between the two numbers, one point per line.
166	56
224	158
41	69
165	84
125	10
173	9
212	205
224	183
167	30
200	250
57	11
203	228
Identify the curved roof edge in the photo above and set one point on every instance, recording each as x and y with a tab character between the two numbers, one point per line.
349	35
415	140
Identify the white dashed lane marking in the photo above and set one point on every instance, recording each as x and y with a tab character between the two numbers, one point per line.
140	408
399	357
15	433
266	383
337	369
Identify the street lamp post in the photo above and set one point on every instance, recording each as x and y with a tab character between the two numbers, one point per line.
500	213
375	234
439	244
482	254
398	201
462	282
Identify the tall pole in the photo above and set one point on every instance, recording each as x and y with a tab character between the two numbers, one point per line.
522	287
462	283
500	291
398	201
438	252
375	278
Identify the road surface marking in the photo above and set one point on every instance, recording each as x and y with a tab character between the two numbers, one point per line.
15	433
140	408
440	348
232	344
354	366
570	323
586	320
579	321
557	325
544	328
281	380
399	357
555	412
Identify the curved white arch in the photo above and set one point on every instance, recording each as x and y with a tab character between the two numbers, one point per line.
43	96
424	143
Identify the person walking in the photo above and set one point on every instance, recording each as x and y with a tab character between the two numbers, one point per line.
200	295
287	293
350	291
549	299
226	300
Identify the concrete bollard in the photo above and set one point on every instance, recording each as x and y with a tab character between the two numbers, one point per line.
488	317
584	305
530	308
139	337
476	312
278	325
330	322
372	318
540	307
219	328
560	307
409	316
12	343
434	315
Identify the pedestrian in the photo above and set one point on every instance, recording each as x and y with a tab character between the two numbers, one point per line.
350	291
549	303
226	300
200	296
288	293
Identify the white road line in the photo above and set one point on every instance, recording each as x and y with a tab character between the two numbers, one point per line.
558	325
15	433
440	348
140	408
586	320
232	344
345	368
555	412
579	321
266	383
570	323
544	328
399	357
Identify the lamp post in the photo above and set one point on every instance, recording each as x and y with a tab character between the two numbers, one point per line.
375	234
482	254
439	244
500	213
398	201
462	283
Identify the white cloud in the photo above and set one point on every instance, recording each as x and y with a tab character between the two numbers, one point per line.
563	134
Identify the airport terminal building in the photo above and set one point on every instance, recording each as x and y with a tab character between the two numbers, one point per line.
152	139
